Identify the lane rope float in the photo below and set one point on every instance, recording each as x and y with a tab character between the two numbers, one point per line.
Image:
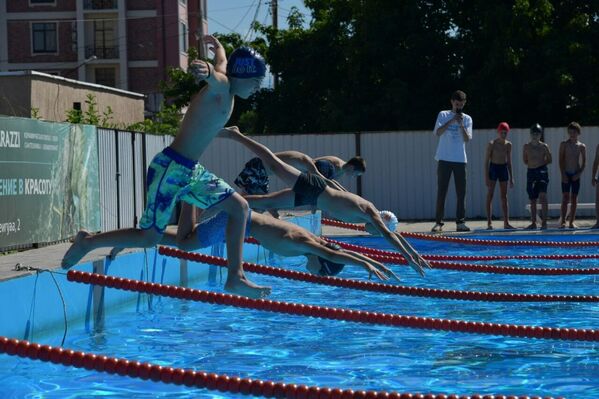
473	241
368	250
204	380
379	287
351	315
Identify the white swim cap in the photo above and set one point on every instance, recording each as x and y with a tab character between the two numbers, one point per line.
389	219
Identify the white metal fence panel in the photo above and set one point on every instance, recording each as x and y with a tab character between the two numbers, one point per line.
139	169
226	158
126	179
404	178
107	177
400	174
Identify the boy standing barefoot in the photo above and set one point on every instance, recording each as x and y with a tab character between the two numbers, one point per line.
572	161
498	166
537	156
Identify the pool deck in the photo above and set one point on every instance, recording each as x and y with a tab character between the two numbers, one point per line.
50	256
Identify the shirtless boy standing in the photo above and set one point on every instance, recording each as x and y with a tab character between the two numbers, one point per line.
537	156
572	161
498	166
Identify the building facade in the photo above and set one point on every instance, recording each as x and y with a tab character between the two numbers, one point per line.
126	44
51	97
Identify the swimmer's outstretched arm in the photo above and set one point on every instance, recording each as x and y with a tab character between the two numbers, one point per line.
220	57
352	258
282	170
377	222
415	254
377	264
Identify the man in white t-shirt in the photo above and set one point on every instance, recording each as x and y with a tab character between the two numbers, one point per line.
454	129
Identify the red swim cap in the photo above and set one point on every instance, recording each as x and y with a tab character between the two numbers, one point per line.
503	126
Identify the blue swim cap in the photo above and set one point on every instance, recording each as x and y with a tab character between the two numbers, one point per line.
246	63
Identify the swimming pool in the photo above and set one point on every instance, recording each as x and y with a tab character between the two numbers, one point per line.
333	353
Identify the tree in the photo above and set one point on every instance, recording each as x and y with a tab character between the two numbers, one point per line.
388	65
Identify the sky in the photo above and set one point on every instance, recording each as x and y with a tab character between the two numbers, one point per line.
227	16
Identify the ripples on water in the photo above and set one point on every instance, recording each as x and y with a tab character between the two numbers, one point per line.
311	351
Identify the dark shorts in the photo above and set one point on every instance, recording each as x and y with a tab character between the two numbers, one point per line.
308	188
571	186
537	180
326	168
498	172
253	179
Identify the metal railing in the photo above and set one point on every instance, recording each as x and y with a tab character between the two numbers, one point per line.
100	4
102	52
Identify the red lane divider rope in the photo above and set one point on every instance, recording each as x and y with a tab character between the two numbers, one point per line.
398	259
201	379
357	316
474	241
368	250
379	287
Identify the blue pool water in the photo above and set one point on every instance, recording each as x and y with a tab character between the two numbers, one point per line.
312	351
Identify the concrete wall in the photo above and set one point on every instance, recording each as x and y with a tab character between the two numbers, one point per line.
53	96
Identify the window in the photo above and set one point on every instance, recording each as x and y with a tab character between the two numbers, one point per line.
44	37
183	33
106	76
105	39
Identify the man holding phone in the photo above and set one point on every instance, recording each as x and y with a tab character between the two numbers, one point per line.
454	129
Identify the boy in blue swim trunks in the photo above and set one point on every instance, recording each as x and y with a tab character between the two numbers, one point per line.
498	165
572	161
312	191
174	174
537	156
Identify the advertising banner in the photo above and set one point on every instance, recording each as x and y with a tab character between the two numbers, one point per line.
49	187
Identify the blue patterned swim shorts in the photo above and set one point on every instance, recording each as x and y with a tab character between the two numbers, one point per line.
172	178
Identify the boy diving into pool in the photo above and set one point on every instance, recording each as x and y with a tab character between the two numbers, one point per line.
311	190
175	174
279	236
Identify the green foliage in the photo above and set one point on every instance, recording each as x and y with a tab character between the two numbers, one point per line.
35	113
388	65
91	115
166	122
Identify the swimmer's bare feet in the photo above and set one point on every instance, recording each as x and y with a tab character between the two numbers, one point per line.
490	227
573	226
508	227
76	251
114	252
242	286
532	226
544	226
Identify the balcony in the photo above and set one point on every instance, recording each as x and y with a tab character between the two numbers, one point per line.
100	4
102	52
